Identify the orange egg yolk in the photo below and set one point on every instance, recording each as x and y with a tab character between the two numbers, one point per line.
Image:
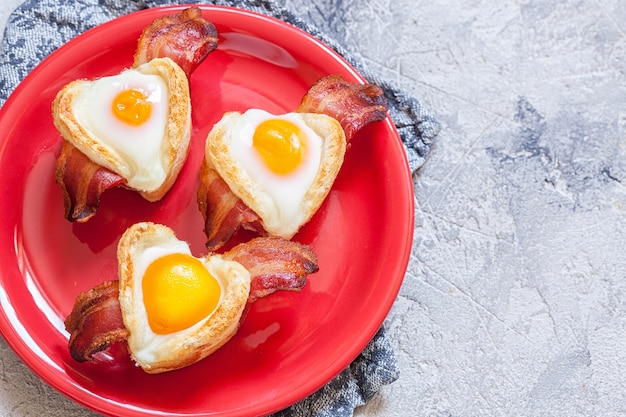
281	145
132	107
178	292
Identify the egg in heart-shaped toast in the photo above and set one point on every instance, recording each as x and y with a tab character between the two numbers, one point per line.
280	166
177	308
136	124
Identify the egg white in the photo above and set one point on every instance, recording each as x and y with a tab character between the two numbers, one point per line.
138	146
285	192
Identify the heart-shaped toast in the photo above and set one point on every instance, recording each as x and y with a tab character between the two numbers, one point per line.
177	308
280	166
136	123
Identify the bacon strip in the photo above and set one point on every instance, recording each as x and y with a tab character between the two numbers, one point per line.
95	322
353	105
224	213
82	182
185	37
275	264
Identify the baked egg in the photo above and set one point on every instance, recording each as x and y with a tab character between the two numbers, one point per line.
136	123
281	166
177	308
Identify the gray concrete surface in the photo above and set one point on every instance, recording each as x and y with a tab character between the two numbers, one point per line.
514	302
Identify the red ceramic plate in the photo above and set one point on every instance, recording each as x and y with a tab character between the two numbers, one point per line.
290	344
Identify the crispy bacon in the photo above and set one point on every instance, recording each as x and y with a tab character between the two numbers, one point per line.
82	182
275	264
95	322
353	105
224	213
185	37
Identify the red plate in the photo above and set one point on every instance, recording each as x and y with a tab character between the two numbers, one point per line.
290	344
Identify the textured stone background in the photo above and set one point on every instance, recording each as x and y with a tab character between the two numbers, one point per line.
515	300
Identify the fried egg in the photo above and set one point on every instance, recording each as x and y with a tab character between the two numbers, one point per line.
136	123
281	166
177	308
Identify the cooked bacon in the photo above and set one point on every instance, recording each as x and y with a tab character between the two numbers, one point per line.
353	105
224	213
95	322
185	37
82	182
275	264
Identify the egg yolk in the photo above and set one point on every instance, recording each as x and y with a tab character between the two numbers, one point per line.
178	291
132	107
281	145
